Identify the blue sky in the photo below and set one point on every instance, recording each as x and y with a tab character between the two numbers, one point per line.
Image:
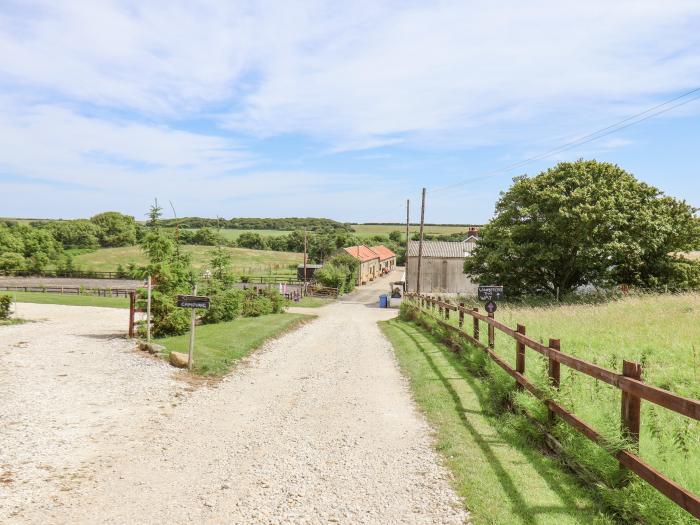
336	109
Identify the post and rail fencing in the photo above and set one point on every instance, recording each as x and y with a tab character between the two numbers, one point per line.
633	389
70	290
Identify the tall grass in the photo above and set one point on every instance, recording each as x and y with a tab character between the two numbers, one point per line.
660	331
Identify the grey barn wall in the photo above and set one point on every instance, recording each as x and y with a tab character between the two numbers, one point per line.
440	275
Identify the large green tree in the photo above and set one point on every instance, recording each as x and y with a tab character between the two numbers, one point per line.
115	229
585	222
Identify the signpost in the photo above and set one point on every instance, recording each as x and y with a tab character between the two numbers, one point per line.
193	301
490	294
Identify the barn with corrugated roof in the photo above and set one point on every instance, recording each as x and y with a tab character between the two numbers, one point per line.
442	267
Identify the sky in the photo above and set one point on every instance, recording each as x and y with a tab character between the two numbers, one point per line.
333	109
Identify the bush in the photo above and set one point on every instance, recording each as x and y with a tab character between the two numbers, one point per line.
168	319
331	276
5	303
224	306
255	305
276	299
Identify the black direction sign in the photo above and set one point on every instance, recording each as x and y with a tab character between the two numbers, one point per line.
490	293
192	301
490	307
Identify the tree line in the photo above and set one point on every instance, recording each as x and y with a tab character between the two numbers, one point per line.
255	223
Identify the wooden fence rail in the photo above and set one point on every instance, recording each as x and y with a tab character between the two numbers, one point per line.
629	382
70	290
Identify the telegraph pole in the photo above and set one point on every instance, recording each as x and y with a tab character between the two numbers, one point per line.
408	205
420	241
305	250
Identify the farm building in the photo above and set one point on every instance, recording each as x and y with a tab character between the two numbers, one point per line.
442	268
369	262
387	258
310	270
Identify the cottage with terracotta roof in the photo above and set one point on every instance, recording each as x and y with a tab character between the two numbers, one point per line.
387	258
442	267
369	262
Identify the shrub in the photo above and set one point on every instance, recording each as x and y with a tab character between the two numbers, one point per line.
276	299
255	305
5	303
168	319
224	306
331	276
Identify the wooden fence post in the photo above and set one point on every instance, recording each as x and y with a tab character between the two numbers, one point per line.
461	315
631	404
520	355
554	371
447	312
475	323
132	310
491	332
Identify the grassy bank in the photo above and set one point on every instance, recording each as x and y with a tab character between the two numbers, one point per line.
219	346
311	302
70	300
502	477
659	331
243	259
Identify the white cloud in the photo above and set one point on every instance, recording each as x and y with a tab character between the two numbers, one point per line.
97	95
361	73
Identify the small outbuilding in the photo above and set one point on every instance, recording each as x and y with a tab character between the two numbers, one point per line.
310	270
442	267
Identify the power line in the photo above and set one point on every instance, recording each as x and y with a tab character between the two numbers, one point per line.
598	134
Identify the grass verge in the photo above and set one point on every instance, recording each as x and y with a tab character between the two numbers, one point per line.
219	346
70	300
310	302
498	468
9	322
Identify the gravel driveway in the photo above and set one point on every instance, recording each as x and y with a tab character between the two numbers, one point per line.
316	427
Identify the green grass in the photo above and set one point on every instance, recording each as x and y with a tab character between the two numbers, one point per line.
311	302
70	300
502	477
9	322
244	260
219	346
661	332
367	230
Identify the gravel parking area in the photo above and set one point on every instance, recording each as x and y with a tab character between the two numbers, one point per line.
316	427
73	391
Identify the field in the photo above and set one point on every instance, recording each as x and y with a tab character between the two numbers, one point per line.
661	332
71	300
219	346
255	262
367	230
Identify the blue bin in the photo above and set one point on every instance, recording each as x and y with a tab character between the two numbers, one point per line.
384	301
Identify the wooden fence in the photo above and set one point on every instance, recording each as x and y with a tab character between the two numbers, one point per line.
633	389
71	290
316	290
280	278
77	274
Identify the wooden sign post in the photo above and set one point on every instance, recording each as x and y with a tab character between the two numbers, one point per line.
193	301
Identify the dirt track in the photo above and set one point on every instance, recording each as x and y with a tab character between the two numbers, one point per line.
316	427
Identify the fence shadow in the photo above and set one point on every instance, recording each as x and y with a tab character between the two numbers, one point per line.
515	494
